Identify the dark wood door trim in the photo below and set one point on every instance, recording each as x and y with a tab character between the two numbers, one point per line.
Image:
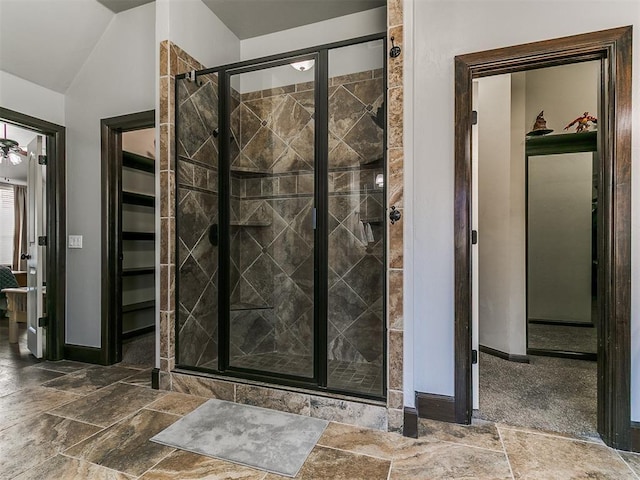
56	228
111	294
614	46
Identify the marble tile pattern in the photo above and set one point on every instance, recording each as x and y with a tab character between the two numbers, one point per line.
266	439
108	405
41	444
125	446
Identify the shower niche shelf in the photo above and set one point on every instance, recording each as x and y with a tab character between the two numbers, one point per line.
372	163
243	307
248	172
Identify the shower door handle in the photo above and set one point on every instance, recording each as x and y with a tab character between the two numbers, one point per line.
213	234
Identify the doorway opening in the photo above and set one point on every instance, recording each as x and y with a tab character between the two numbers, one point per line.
613	49
32	246
128	253
534	204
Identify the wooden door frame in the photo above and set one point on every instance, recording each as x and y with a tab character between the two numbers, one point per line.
614	348
111	153
56	225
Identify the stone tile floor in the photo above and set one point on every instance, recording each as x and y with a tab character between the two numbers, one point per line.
68	420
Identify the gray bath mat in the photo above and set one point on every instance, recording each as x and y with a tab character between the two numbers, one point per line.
274	441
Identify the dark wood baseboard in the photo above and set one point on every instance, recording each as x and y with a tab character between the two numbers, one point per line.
562	323
436	407
155	379
410	426
80	353
138	332
635	437
592	357
504	355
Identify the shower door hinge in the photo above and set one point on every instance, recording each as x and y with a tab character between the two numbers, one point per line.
474	357
474	117
42	241
42	159
474	237
314	218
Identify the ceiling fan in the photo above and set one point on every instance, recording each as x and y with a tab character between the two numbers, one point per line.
10	151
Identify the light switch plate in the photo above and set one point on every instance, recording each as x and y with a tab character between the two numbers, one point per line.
75	241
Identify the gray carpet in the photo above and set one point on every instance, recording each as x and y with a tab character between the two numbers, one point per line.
562	337
554	394
274	441
140	351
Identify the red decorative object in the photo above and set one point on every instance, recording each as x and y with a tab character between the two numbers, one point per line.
583	122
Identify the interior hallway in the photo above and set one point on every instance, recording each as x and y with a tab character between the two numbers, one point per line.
77	421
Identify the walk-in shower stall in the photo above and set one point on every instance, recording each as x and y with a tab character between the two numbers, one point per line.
280	219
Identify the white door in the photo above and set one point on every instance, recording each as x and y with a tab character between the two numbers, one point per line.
475	302
35	254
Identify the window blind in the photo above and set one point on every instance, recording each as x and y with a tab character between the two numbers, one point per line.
6	224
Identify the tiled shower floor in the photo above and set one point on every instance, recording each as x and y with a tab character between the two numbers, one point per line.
348	376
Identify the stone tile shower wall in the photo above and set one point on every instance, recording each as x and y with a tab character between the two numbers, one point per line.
272	261
395	176
272	240
356	270
173	61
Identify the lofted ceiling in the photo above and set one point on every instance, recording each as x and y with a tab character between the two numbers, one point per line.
117	6
48	41
251	18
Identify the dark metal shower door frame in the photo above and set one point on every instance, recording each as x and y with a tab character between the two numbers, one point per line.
321	196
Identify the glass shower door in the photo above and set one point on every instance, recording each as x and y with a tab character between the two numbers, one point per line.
272	157
356	320
197	221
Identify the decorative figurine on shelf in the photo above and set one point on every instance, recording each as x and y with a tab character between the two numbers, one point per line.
583	122
540	127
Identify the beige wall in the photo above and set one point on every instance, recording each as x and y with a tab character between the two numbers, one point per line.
501	213
560	197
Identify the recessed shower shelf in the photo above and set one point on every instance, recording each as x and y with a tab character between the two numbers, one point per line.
243	307
374	221
372	163
236	223
248	172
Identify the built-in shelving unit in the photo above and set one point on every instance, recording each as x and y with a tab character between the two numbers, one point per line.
138	269
150	236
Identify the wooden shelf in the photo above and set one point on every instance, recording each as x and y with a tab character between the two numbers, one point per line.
134	307
132	198
130	272
138	162
562	143
138	236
